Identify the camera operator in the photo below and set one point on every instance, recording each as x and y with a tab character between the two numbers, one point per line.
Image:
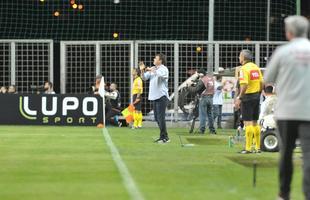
204	87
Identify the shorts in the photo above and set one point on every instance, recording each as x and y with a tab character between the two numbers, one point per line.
250	109
138	105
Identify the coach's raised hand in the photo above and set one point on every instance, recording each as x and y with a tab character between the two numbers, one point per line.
141	65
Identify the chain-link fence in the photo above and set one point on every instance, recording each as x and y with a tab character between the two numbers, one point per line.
26	63
82	61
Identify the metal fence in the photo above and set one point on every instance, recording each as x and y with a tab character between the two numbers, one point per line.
82	61
25	62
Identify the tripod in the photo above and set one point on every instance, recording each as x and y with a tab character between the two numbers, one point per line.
195	113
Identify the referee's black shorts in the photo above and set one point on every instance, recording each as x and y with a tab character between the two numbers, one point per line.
137	105
250	107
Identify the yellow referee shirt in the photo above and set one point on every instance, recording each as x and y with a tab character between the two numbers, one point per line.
137	86
251	75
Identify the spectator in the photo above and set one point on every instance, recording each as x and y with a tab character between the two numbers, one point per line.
12	89
113	105
3	90
218	101
289	70
205	87
48	88
268	105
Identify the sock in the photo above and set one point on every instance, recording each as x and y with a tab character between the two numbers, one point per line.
140	119
248	138
135	119
257	136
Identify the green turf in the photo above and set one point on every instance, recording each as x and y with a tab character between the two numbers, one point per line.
75	163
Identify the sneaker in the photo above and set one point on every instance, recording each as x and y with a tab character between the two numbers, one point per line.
159	140
245	152
167	140
120	124
213	132
258	151
139	127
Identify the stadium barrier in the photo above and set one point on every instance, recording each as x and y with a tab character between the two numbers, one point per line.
32	109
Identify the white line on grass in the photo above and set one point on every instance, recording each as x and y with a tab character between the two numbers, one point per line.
128	181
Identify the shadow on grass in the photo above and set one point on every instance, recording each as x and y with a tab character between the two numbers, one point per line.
248	161
206	141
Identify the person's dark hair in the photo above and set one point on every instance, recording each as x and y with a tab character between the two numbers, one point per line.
268	89
98	77
163	58
138	71
49	83
202	71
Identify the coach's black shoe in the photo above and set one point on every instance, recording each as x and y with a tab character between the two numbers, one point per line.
245	152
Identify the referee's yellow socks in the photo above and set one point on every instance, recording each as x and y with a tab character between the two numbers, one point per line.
257	136
140	119
249	131
135	119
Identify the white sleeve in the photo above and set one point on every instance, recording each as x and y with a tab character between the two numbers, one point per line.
111	95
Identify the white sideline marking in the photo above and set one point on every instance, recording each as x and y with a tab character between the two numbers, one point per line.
128	181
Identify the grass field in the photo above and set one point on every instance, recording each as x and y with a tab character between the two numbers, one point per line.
76	163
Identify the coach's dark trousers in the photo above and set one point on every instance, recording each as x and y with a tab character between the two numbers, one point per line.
160	106
289	131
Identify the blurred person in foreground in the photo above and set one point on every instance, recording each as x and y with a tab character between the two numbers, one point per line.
137	91
251	85
158	92
289	70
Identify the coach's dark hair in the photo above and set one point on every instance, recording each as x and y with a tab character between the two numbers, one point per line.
163	58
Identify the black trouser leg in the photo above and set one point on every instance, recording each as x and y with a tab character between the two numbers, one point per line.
155	111
210	114
161	105
111	113
288	132
219	117
304	135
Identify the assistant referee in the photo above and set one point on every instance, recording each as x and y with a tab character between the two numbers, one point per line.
251	84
